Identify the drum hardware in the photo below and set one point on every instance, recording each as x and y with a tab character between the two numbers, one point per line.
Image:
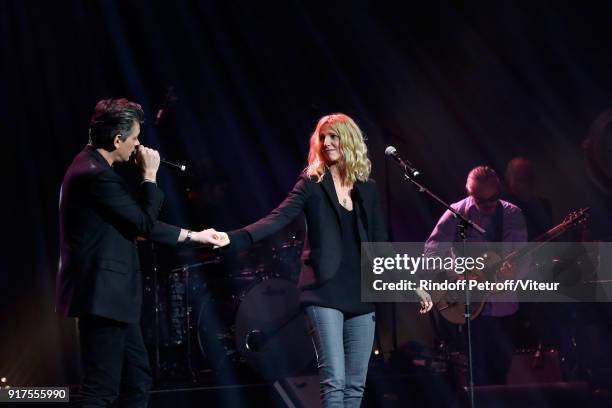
173	316
180	311
250	272
215	260
177	308
256	340
214	328
203	320
286	258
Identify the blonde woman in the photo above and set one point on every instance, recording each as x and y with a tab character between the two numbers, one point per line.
342	209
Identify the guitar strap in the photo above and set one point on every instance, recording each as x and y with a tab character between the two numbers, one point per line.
496	233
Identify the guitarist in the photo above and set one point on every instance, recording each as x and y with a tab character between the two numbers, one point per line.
504	222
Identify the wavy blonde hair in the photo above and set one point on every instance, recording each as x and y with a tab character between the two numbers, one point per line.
354	163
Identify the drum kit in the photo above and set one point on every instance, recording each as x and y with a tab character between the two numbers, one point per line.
219	316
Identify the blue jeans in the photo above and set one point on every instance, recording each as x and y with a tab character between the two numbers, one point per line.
343	346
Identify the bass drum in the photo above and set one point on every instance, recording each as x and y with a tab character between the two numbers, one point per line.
271	331
216	309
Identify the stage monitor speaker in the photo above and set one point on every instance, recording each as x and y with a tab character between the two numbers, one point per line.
299	392
557	395
534	367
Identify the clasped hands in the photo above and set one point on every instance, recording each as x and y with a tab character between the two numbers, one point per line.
212	237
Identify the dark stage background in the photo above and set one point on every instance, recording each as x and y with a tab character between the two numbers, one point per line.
451	84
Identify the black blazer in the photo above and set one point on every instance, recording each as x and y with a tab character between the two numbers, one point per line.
323	249
99	269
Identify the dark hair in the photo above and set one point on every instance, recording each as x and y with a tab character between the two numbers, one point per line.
481	175
112	117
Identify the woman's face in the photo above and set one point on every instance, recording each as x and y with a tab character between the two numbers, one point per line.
330	145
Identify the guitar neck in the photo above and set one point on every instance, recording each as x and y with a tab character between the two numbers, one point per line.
539	241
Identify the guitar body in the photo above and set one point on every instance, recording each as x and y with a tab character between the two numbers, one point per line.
454	311
451	305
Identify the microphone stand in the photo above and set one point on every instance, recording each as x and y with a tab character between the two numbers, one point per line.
463	224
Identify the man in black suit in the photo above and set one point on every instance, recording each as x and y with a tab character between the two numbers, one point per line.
99	279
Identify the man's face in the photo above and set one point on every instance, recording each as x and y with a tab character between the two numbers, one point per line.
486	197
124	149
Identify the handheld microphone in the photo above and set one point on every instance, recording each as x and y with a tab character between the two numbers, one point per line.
174	165
392	152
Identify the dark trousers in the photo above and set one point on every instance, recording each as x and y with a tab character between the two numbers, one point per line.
492	345
115	363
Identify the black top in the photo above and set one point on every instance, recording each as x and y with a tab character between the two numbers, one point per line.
343	291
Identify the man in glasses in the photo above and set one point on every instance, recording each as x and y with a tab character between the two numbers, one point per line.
504	223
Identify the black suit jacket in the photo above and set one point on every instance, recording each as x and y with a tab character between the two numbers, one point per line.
99	269
323	249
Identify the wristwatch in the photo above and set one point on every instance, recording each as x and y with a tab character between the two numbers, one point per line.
189	236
